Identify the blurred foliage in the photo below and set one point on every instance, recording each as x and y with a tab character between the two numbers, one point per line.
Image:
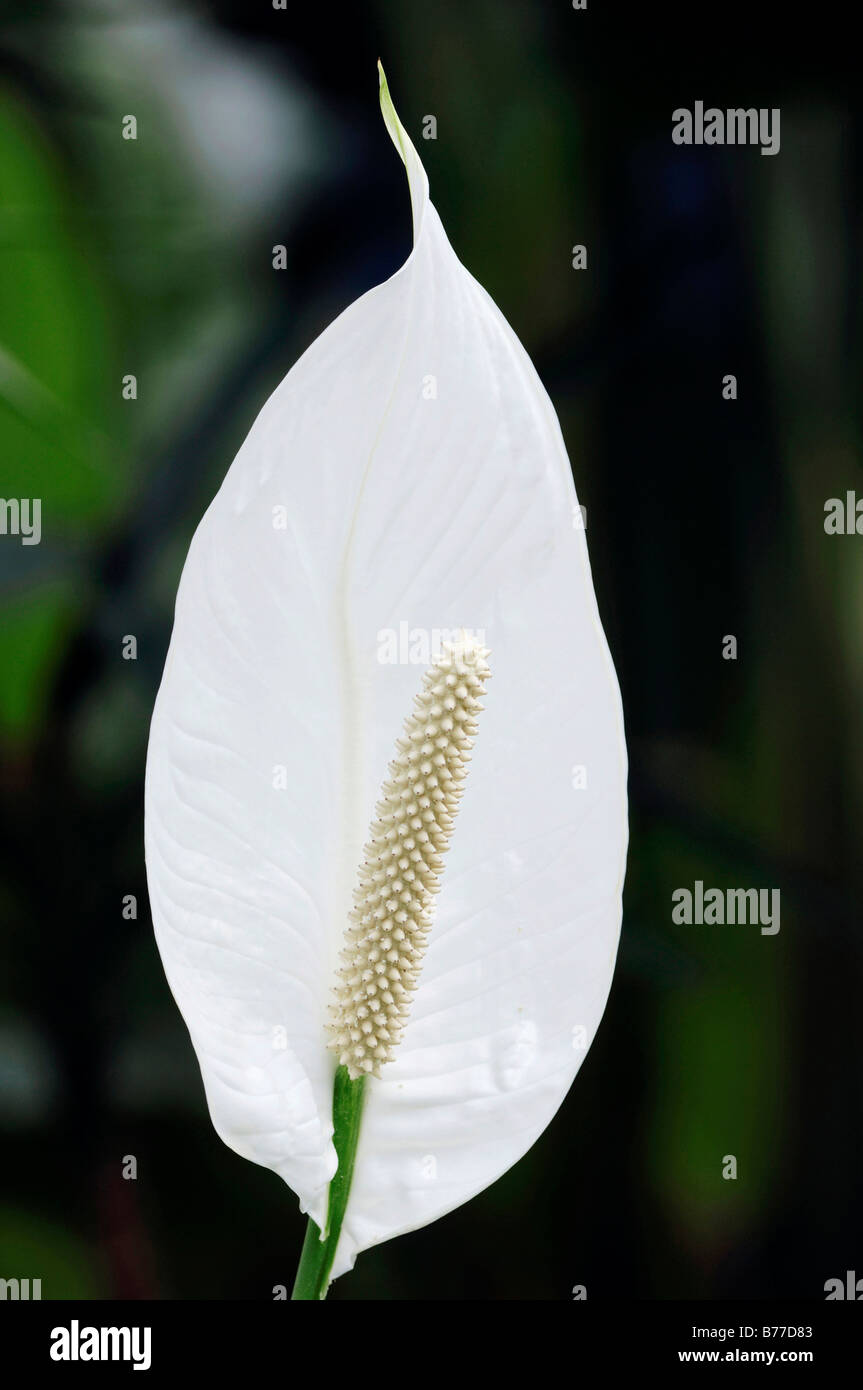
52	374
259	127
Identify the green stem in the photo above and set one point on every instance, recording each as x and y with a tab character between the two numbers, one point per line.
319	1251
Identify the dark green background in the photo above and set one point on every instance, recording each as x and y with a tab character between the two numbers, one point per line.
258	127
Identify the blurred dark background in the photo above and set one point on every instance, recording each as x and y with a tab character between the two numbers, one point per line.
259	127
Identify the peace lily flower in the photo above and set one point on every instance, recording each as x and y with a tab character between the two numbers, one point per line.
388	898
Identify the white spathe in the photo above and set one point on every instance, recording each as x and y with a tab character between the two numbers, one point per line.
362	500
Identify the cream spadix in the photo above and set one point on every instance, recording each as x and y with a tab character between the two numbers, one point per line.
409	472
403	859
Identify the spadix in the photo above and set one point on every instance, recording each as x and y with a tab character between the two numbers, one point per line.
403	860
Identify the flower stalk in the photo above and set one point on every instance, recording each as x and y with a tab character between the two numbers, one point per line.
319	1248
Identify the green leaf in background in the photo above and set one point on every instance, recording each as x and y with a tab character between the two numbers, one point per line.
34	626
36	1248
55	384
719	1063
